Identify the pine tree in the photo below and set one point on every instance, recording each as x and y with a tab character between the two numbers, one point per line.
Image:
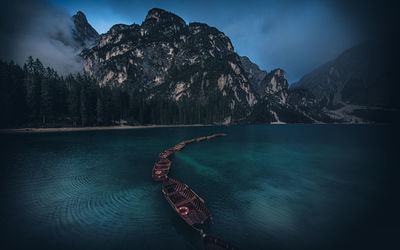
73	100
33	77
47	94
100	110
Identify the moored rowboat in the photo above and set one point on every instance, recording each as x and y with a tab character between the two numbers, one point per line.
166	153
179	146
161	169
186	203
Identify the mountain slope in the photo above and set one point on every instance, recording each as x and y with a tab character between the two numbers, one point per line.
276	102
84	34
356	86
164	58
194	65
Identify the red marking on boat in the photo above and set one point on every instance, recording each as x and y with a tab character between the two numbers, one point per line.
183	210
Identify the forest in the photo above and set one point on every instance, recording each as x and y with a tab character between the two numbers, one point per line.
37	96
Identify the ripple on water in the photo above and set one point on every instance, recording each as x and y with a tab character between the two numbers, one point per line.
79	206
262	185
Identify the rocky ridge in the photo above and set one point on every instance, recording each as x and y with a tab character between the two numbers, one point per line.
276	102
164	58
84	34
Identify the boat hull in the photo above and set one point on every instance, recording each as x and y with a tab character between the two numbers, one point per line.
181	196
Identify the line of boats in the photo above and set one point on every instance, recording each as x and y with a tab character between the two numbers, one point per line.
162	167
185	202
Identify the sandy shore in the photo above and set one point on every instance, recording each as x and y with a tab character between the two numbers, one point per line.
35	130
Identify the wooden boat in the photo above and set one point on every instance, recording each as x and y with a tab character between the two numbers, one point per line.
161	169
216	135
186	203
201	138
179	146
189	141
209	242
163	163
166	153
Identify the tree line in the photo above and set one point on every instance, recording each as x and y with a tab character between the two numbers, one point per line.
37	96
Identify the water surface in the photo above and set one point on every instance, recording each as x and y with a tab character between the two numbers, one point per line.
276	187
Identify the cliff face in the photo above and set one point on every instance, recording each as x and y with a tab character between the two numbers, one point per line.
254	73
276	102
264	83
166	58
84	34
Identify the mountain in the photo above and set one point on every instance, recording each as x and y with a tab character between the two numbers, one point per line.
264	83
355	87
165	58
83	33
276	102
255	74
165	61
165	71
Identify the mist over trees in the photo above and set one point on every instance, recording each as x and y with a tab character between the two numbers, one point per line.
36	96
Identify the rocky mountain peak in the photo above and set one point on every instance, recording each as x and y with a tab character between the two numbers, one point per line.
117	28
166	59
266	83
279	73
255	74
83	32
276	83
79	17
160	15
195	65
252	67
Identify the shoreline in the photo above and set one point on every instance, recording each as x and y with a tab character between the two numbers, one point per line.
70	129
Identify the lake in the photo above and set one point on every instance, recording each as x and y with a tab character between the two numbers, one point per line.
267	186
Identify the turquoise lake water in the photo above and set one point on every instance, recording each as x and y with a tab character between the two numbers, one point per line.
267	186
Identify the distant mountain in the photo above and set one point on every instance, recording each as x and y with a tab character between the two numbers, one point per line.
84	34
355	87
276	102
196	65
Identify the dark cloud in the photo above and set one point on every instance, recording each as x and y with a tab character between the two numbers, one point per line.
295	35
299	38
39	29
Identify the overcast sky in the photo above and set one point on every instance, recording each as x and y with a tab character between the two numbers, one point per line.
295	35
